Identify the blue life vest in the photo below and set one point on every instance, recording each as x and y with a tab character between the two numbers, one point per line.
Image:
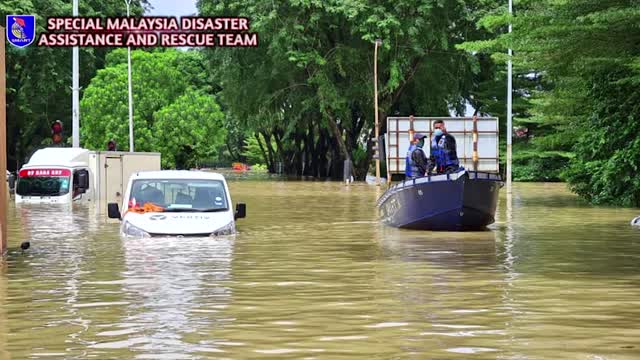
444	157
414	170
407	167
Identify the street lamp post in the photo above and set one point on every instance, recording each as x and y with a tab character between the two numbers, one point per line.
128	2
75	89
509	107
375	102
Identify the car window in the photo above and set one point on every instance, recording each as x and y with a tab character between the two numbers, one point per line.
179	194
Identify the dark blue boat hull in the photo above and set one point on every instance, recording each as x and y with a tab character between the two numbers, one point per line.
456	202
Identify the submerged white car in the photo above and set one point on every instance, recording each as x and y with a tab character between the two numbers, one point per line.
177	203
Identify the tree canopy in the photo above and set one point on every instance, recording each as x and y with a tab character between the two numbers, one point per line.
39	78
173	114
303	98
586	52
309	85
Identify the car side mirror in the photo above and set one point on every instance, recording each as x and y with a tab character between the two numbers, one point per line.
83	181
241	211
113	211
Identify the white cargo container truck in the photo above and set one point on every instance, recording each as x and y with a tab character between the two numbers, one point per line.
66	175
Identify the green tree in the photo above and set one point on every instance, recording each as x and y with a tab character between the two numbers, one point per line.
309	85
39	78
188	131
254	150
171	115
572	44
156	83
605	168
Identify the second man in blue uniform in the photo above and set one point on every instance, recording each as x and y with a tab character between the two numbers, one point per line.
444	157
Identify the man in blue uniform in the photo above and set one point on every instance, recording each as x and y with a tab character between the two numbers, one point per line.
444	157
416	159
407	165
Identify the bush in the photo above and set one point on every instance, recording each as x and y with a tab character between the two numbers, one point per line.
540	166
605	169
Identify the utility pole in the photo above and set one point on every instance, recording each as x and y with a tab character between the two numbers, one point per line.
75	88
128	2
509	106
3	148
375	90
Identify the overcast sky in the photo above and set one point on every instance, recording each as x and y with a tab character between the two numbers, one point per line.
173	7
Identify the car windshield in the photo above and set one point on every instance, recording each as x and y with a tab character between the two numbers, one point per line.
179	195
43	182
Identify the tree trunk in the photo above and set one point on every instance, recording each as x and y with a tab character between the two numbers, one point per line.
264	153
308	150
271	164
337	133
320	154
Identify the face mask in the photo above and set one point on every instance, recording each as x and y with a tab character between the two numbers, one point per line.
437	132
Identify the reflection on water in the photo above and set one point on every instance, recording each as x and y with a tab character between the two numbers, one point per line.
442	249
174	291
313	275
4	343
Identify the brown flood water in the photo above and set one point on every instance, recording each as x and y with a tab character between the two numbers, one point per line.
312	275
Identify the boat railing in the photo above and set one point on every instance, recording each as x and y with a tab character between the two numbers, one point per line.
479	175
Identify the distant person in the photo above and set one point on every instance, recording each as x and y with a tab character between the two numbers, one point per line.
416	159
444	157
111	145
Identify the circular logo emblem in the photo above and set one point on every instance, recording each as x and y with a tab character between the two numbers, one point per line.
157	217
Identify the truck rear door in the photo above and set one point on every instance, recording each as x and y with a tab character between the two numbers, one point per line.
113	179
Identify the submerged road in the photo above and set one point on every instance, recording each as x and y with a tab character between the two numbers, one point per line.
313	275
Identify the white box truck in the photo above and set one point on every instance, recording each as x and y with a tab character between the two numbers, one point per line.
66	175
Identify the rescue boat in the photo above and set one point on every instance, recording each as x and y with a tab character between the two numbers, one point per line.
461	201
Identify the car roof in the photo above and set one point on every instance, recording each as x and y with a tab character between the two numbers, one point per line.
177	174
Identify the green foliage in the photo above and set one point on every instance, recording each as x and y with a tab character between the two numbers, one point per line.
309	85
189	130
259	167
585	54
605	170
170	115
539	165
253	150
359	154
39	78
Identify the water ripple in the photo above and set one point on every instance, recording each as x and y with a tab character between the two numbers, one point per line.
313	275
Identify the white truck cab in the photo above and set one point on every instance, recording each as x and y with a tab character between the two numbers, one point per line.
177	203
64	175
55	175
